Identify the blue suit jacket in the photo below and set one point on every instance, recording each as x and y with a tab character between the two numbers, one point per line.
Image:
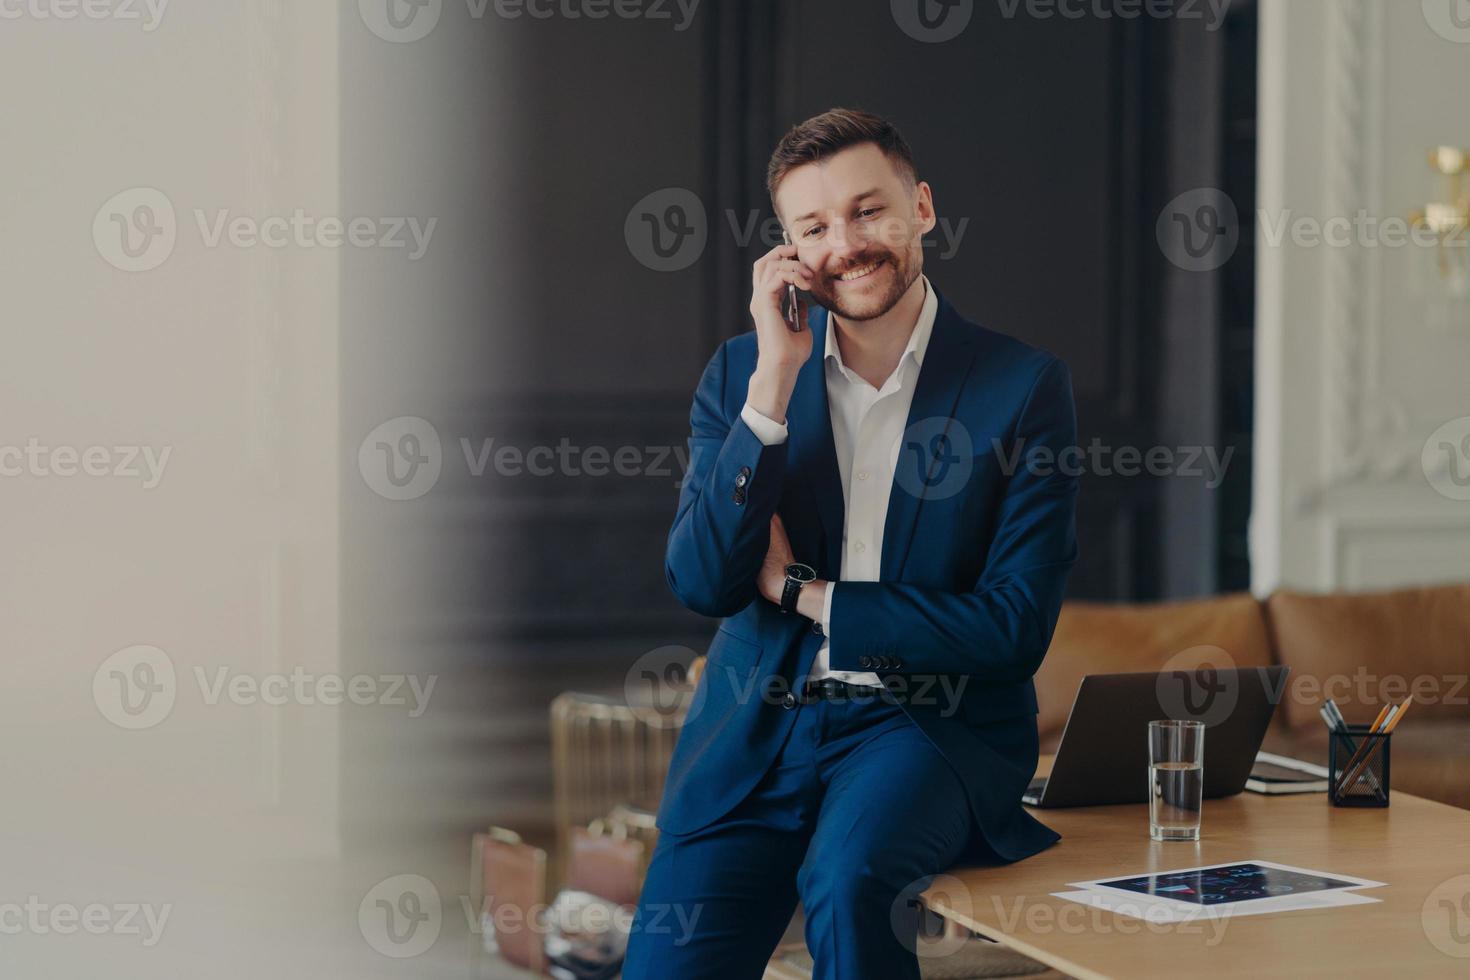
977	545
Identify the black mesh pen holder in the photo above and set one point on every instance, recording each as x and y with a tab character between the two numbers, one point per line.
1357	764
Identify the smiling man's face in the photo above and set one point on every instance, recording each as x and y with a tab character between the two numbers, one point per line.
858	223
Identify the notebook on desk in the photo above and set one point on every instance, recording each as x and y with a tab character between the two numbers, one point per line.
1103	755
1276	775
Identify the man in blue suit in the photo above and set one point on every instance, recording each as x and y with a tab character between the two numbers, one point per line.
886	533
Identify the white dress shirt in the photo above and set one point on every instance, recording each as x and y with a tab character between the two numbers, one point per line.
867	429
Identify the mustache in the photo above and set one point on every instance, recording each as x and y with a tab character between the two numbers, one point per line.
867	258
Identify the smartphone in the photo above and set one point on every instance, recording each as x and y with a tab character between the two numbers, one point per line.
791	311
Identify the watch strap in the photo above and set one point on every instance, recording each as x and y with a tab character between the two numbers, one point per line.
789	591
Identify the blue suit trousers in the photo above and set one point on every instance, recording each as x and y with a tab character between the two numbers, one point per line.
856	814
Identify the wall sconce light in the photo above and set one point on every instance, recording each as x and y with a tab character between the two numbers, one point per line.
1449	220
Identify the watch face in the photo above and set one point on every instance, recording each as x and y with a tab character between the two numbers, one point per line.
801	573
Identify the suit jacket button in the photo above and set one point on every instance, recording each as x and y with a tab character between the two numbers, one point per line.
865	662
789	701
816	627
884	663
742	480
739	496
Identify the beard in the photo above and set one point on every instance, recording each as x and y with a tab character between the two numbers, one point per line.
873	295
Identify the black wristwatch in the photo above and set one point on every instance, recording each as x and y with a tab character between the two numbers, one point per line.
797	575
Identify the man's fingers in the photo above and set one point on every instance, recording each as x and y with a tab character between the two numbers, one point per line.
776	255
790	267
797	275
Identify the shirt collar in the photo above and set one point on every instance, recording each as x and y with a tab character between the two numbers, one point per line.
918	340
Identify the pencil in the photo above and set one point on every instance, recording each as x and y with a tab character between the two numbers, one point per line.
1399	715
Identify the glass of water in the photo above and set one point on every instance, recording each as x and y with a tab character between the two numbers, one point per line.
1176	779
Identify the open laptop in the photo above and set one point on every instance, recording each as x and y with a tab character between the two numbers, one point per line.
1103	755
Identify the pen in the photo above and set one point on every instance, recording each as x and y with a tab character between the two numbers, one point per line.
1338	725
1389	720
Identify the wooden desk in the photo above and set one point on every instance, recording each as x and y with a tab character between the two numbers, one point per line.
1421	928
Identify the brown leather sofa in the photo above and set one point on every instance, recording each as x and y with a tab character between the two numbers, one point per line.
1362	650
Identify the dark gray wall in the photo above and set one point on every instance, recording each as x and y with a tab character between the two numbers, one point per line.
1055	141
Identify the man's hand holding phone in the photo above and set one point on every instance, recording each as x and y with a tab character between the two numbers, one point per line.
782	350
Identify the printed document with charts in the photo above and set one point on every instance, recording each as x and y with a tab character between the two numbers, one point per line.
1218	890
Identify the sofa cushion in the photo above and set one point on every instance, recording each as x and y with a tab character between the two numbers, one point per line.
1426	758
1105	638
1367	649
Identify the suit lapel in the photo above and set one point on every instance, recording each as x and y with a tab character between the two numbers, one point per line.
931	416
813	453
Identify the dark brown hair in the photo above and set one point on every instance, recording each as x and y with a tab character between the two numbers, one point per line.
836	129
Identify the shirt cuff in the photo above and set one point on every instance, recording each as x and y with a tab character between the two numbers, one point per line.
827	611
768	431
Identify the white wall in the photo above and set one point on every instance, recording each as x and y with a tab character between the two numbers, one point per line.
223	357
1358	360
